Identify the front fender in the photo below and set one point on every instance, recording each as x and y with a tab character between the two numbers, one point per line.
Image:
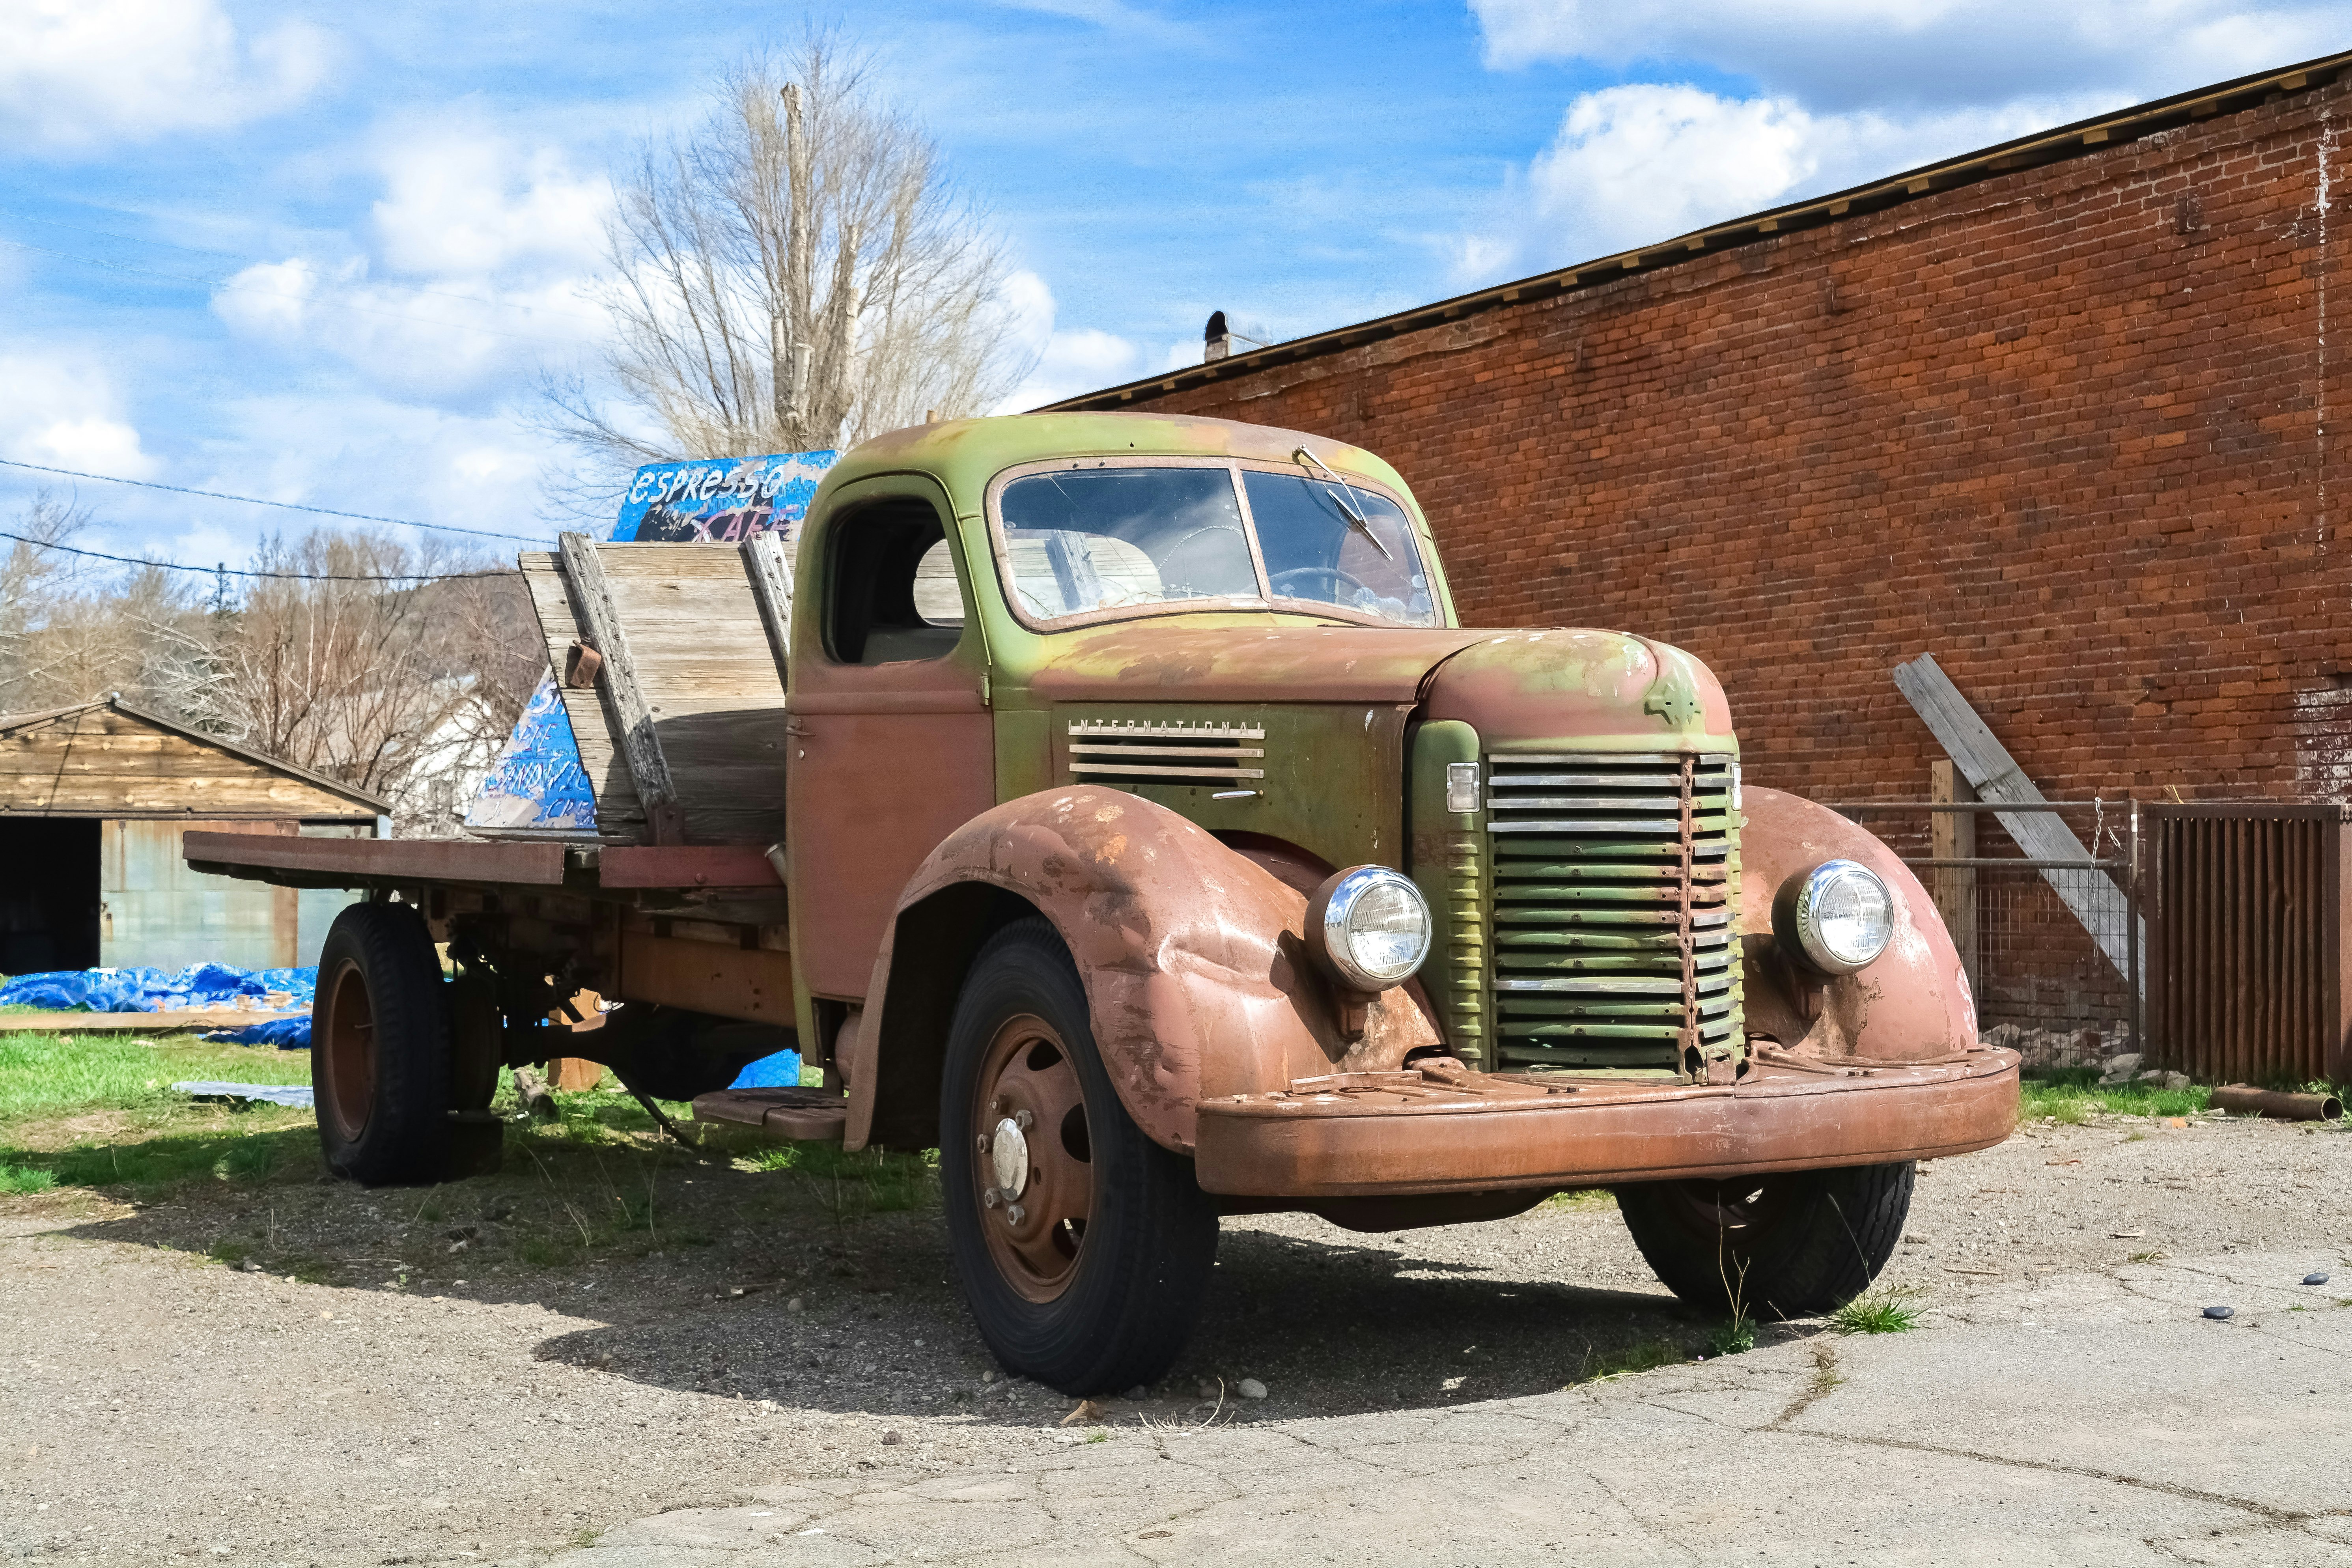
1912	1005
1192	957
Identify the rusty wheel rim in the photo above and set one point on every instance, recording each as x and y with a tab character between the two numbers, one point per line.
347	1045
1739	1210
1032	1171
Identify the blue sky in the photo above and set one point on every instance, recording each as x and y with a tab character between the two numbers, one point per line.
316	253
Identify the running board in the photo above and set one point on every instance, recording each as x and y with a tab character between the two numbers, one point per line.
788	1115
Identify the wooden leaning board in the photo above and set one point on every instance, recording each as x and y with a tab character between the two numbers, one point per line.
709	676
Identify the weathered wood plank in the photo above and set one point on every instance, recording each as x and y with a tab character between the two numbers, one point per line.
2092	896
592	603
185	1020
769	568
619	814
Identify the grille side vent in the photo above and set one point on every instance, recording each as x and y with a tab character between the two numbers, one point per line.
1613	928
1129	752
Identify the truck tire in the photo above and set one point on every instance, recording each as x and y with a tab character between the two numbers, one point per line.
1790	1244
1082	1246
381	1065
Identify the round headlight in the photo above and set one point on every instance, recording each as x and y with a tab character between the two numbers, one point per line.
1369	927
1836	917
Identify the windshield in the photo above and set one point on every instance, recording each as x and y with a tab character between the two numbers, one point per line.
1082	541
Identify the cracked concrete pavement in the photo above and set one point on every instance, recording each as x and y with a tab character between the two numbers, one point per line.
2063	1401
2081	1419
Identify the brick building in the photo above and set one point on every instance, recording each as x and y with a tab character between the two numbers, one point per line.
2057	412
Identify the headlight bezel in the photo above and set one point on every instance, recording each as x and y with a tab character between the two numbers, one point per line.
1340	897
1796	922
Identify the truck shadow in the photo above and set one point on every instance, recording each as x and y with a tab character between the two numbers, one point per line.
828	1288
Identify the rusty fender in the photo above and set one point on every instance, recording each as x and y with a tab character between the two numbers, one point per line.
1912	1005
1192	957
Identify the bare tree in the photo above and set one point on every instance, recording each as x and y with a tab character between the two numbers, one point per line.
797	274
71	632
405	687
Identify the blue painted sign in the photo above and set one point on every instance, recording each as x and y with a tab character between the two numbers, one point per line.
720	500
538	784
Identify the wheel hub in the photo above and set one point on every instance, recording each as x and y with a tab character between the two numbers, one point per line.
1009	1153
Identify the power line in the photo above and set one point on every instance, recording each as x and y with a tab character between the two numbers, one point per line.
281	294
257	501
235	572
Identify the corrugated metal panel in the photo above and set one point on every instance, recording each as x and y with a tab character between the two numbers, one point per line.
2247	942
156	912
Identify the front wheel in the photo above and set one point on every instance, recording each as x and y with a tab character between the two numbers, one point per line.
1082	1246
1793	1245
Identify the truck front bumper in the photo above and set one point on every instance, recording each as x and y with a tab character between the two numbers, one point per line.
1387	1134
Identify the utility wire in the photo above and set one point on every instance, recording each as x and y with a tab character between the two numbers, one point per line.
257	501
235	572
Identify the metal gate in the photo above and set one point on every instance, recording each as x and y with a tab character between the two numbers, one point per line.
2247	939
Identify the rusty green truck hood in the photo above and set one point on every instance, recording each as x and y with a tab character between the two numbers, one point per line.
1591	688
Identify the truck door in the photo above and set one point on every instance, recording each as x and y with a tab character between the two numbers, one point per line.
891	742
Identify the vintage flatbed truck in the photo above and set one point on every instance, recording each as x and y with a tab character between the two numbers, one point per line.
1113	803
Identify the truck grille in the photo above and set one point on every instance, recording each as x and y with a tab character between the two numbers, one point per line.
1128	752
1613	942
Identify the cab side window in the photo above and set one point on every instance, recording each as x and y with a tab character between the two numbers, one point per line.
891	593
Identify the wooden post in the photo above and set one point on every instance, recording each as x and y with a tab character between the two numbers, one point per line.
1952	836
591	600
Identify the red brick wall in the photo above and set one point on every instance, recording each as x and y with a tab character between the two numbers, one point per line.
2066	428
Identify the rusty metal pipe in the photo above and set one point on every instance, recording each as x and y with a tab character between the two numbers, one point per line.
2286	1107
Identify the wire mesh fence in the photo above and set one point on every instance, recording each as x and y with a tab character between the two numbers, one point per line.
2053	948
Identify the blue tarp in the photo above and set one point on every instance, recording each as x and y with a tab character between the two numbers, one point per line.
151	990
286	1034
782	1070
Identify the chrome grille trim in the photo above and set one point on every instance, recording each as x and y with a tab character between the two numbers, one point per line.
1612	921
1109	751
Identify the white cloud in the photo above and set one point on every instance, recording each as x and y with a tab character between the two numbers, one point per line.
1839	54
482	246
1634	164
77	75
461	200
61	409
437	342
1069	360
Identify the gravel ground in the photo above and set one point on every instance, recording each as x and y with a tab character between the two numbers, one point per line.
159	1404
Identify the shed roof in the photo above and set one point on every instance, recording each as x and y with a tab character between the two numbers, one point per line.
104	780
2077	139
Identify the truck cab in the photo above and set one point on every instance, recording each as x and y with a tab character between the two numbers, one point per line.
1157	846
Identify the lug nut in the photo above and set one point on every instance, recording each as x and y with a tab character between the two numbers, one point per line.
990	1198
1024	1120
996	1105
1016	1214
983	1143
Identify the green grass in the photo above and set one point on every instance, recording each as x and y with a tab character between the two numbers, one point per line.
1580	1198
1733	1337
51	1075
2072	1095
26	1179
1887	1312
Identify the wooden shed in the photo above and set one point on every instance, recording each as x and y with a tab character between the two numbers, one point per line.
93	800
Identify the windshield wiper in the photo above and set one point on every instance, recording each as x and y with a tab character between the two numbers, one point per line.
1348	506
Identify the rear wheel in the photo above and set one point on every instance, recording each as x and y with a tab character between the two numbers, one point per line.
1083	1247
1792	1245
382	1065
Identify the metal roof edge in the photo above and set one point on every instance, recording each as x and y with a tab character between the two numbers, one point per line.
2054	145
